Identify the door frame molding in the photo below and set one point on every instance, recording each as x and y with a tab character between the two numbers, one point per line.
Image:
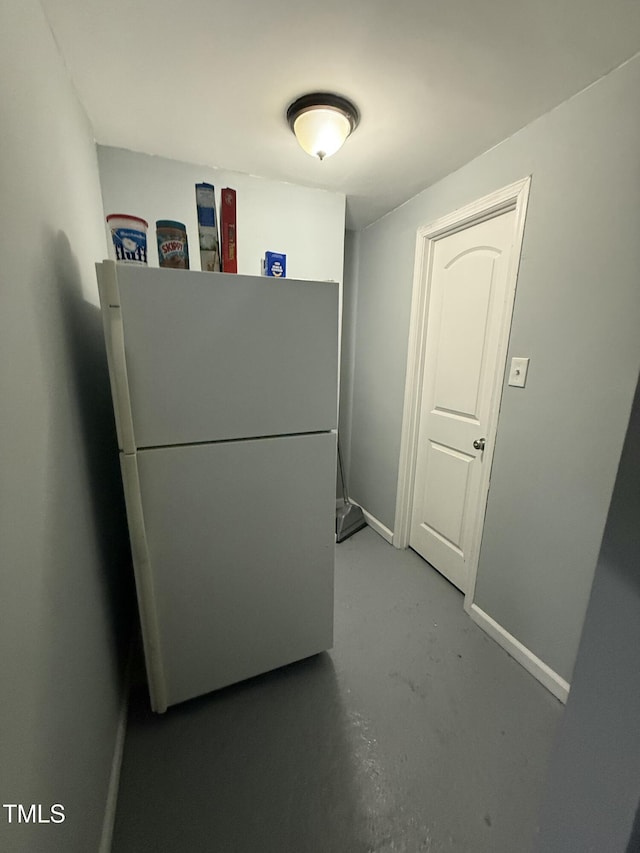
512	197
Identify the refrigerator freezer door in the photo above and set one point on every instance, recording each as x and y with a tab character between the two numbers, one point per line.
210	356
240	539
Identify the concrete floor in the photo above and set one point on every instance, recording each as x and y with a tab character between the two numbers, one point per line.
415	733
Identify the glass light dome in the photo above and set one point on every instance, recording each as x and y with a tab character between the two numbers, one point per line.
321	131
322	122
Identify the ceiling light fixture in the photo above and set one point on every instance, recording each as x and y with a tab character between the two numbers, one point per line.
321	122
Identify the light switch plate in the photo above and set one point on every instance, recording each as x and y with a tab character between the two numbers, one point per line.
518	372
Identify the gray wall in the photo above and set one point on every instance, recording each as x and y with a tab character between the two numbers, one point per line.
62	545
349	299
577	315
304	223
593	787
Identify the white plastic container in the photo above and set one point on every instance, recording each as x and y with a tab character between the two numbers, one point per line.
129	235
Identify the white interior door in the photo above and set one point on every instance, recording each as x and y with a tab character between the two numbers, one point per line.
461	385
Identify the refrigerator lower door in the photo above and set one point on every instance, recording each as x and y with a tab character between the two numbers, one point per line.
240	558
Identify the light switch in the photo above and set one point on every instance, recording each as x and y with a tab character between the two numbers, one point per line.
518	372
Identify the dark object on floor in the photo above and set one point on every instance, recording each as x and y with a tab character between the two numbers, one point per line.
349	517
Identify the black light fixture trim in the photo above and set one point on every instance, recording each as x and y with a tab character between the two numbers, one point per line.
316	100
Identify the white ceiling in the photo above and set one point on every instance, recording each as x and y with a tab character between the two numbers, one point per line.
437	81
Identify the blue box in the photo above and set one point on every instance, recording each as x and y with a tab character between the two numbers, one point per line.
275	264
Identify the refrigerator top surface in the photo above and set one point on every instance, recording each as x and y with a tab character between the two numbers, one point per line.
200	357
137	275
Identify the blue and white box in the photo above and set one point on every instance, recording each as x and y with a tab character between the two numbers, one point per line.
275	264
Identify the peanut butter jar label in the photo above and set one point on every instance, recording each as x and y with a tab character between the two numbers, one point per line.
173	249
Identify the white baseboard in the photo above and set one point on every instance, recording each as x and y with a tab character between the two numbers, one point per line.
108	824
524	656
371	520
376	525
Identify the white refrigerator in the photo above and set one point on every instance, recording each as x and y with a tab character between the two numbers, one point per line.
225	398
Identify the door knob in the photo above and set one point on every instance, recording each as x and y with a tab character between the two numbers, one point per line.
479	443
